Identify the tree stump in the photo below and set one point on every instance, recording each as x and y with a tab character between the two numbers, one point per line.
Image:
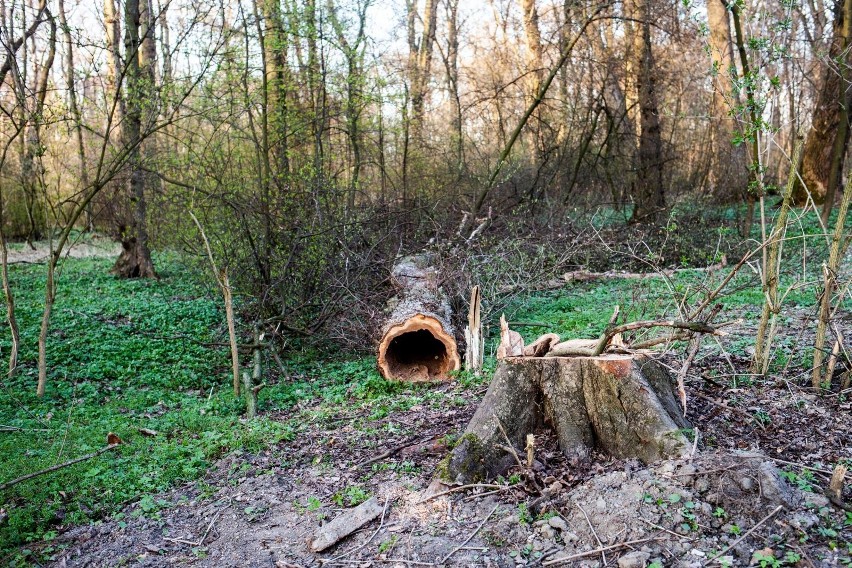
624	405
418	341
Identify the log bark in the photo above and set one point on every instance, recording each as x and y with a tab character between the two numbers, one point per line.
418	340
625	405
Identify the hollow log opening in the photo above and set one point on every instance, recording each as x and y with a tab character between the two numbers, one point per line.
417	350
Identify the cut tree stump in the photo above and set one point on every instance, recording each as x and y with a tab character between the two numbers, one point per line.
625	405
418	341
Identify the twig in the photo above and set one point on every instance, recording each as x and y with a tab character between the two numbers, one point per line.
467	540
462	488
665	530
18	480
594	532
204	536
747	533
386	454
600	550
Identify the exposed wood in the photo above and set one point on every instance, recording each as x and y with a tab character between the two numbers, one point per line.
622	404
541	346
475	353
345	524
511	342
418	341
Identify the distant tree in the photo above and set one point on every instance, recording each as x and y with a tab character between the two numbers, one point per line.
649	198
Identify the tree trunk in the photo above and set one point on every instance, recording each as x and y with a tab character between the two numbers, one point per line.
622	404
73	107
648	195
420	61
728	164
821	142
135	258
535	71
418	341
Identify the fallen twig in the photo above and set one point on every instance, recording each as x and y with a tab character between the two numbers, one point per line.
600	550
18	480
468	539
462	488
204	536
386	454
594	533
747	533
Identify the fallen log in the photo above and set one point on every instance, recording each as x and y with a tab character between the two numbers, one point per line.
418	341
625	405
345	524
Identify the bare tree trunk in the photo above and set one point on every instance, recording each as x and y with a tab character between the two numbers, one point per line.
73	107
10	304
841	139
354	54
728	164
535	70
114	66
421	57
135	258
452	69
821	144
649	194
275	67
825	304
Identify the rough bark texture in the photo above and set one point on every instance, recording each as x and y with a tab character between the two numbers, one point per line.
418	341
625	405
821	140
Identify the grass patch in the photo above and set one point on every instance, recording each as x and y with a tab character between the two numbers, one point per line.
122	355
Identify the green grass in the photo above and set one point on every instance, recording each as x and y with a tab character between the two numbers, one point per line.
122	355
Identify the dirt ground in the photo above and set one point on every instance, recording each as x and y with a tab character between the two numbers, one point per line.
730	499
93	247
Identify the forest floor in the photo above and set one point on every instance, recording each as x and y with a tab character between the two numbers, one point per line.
210	489
87	247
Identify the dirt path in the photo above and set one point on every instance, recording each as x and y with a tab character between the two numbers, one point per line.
92	247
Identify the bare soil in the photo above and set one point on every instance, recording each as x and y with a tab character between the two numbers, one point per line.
730	497
92	247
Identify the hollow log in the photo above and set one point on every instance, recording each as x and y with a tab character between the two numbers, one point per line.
418	341
624	405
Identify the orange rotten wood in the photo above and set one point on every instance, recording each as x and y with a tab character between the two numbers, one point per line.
418	341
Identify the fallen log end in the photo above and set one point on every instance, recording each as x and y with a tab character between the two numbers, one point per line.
418	349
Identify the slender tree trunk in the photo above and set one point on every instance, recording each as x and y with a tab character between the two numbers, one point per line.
649	193
275	42
452	66
73	107
728	167
535	71
135	258
10	303
421	72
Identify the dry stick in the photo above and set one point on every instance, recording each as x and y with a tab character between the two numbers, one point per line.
204	536
473	534
225	286
594	533
747	533
600	550
772	304
386	454
18	480
462	488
